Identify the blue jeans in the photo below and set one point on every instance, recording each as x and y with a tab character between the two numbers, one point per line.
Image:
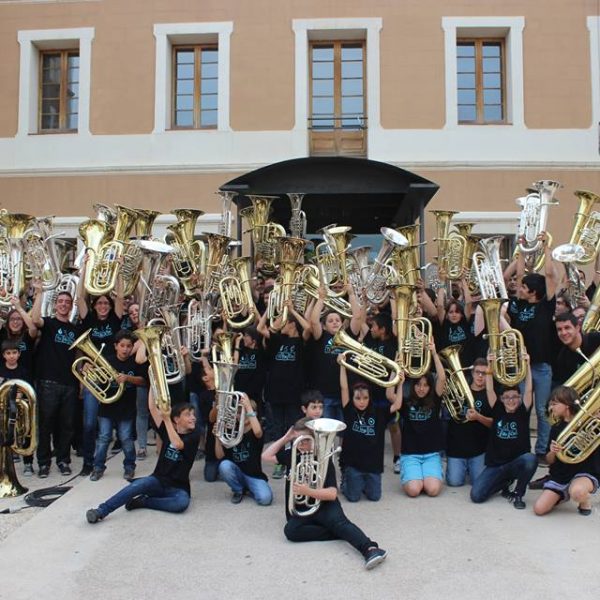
541	374
457	468
357	482
124	431
238	481
90	426
141	418
160	497
332	408
494	479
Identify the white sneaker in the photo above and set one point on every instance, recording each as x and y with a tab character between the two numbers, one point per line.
397	466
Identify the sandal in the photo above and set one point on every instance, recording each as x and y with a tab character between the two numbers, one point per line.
586	512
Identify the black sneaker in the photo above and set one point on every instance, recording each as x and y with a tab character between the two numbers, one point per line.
538	484
93	516
237	497
137	502
129	474
506	493
64	469
28	470
96	474
373	557
86	470
519	503
43	472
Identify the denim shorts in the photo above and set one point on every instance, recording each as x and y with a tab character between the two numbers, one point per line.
416	467
562	489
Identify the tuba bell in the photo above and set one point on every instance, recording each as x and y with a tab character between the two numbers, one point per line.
586	230
458	395
453	247
486	263
236	294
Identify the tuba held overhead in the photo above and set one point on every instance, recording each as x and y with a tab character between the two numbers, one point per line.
458	395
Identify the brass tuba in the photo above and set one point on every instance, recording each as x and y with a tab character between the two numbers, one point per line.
367	363
94	372
236	294
331	258
18	432
458	394
173	361
508	346
591	321
151	337
309	465
308	280
453	247
586	230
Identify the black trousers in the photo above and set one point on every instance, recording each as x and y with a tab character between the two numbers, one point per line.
284	416
328	523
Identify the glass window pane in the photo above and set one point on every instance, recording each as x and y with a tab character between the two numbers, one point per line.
73	91
466	97
466	80
51	76
492	97
322	70
185	57
323	87
352	105
322	106
185	72
209	86
352	87
209	102
323	124
72	121
184	102
210	70
467	113
50	91
210	56
73	75
49	121
465	50
50	107
352	123
492	113
184	118
51	61
491	50
322	54
491	65
492	80
352	69
185	86
465	65
352	53
72	105
208	118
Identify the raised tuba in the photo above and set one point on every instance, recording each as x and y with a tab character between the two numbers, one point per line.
586	230
458	394
453	247
236	294
486	263
151	337
230	410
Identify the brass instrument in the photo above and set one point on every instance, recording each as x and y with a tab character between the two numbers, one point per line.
173	361
215	264
226	214
236	294
508	346
151	337
309	464
457	395
591	321
298	218
18	432
68	283
377	279
197	329
144	223
308	280
230	410
586	230
367	363
453	247
414	334
406	262
568	255
486	262
331	258
357	269
41	253
105	214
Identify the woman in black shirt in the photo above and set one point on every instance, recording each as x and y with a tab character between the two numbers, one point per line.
20	328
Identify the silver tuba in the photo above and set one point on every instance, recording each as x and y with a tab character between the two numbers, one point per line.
486	263
298	218
230	410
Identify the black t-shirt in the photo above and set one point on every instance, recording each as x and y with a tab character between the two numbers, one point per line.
284	457
567	361
125	406
422	431
285	380
53	358
26	347
536	322
103	332
364	438
509	436
325	369
469	439
252	372
174	466
247	455
563	472
461	333
19	373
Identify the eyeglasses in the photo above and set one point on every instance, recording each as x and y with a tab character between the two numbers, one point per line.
479	372
511	397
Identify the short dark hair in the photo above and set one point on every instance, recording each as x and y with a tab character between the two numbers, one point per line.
567	317
311	396
384	321
9	345
107	296
124	334
300	424
509	388
535	283
179	408
480	362
567	396
361	385
64	293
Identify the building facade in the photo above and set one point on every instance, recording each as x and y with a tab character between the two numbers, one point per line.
157	104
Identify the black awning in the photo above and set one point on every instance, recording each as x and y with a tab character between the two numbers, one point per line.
364	194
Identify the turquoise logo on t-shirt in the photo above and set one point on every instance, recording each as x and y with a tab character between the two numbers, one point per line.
417	413
507	431
286	353
64	336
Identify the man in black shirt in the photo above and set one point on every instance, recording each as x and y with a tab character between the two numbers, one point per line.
168	488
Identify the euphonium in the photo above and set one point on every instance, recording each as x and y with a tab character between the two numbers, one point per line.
310	461
534	214
151	337
367	363
290	252
331	258
197	329
230	410
144	223
308	279
414	334
568	255
587	376
458	395
173	361
215	264
586	230
236	294
486	263
357	269
41	253
68	283
508	347
18	432
93	233
94	372
452	246
298	218
376	288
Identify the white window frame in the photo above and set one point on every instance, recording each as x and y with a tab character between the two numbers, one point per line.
593	25
509	28
307	30
171	34
34	41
